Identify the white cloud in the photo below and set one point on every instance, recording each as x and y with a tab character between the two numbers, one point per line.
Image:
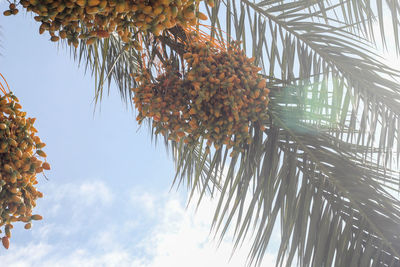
21	256
45	255
68	209
144	200
94	192
180	238
79	197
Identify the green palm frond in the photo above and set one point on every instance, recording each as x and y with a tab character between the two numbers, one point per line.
331	203
343	67
108	60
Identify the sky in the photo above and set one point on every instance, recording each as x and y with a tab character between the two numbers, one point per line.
108	200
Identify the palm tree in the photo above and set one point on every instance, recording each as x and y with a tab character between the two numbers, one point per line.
325	168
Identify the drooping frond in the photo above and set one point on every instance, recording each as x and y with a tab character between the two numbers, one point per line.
108	60
329	203
300	44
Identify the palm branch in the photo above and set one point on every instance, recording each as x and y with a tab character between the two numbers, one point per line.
324	168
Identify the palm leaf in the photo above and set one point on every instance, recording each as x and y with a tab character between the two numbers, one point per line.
108	60
331	204
342	65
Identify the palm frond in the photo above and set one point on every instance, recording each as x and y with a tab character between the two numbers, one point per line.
109	60
331	203
343	68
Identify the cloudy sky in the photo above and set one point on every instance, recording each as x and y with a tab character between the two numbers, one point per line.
108	200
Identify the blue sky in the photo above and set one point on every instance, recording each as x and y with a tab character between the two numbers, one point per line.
107	201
